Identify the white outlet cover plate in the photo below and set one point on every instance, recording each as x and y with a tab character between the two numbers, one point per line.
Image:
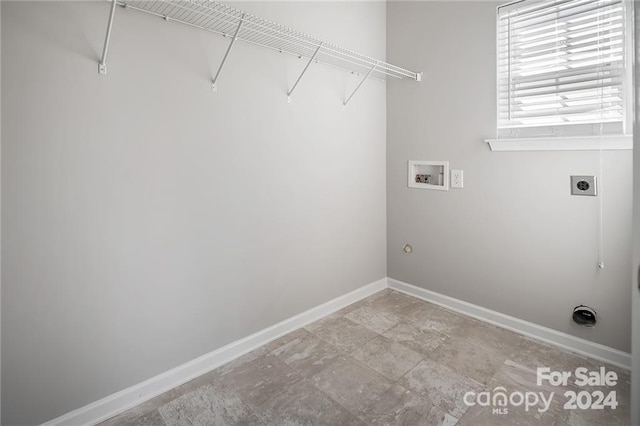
457	179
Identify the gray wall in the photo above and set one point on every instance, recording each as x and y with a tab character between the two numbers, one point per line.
513	240
146	220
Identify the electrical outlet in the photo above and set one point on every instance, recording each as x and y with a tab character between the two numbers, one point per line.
584	185
457	179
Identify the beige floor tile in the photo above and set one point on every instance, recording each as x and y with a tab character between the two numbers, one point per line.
606	417
243	360
351	384
144	413
343	333
210	404
373	318
301	332
432	317
258	380
514	377
476	350
346	310
303	404
414	336
535	354
484	416
387	357
440	386
152	418
307	354
395	303
398	406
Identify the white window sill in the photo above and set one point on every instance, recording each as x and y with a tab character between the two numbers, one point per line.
564	143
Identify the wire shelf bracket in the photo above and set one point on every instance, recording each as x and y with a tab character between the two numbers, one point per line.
359	85
214	84
313	57
222	19
102	65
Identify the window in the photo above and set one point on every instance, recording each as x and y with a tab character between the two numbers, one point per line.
562	69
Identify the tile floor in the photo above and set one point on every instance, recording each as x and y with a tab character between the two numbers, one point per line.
388	360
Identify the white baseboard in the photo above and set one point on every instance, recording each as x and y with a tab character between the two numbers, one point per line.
121	401
529	329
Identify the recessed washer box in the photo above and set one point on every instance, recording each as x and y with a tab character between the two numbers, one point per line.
429	175
584	185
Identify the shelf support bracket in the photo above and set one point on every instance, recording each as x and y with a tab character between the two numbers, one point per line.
361	83
214	85
303	71
102	66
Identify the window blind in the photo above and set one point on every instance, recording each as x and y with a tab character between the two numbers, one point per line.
561	66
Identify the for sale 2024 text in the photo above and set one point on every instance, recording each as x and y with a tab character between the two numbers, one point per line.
581	377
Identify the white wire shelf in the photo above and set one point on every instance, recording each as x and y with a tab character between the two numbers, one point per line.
229	22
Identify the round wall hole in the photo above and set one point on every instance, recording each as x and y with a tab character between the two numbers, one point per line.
584	315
